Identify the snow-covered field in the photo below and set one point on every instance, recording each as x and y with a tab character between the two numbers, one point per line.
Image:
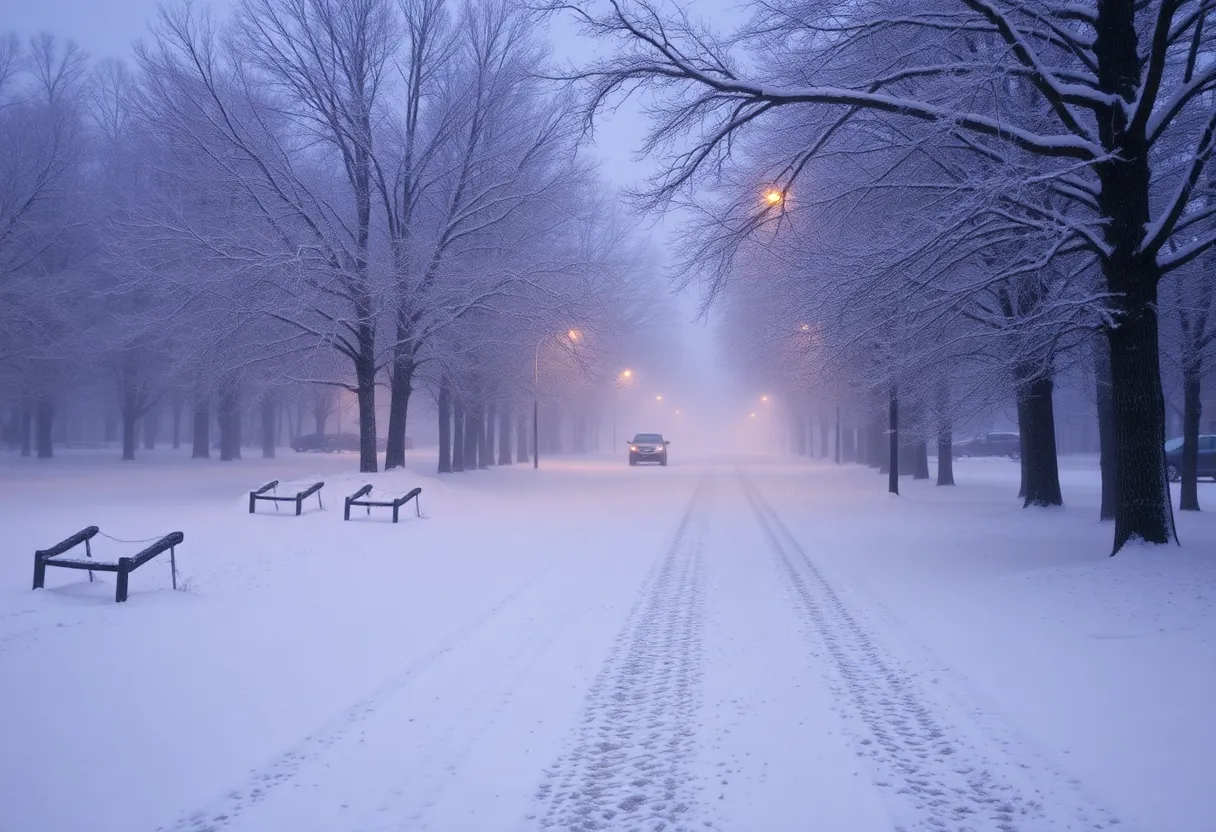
733	644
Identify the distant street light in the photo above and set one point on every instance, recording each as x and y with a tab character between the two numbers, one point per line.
764	398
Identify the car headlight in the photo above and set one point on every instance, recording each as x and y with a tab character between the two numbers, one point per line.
633	447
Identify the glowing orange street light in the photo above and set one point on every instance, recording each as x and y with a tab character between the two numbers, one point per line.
764	398
627	374
774	197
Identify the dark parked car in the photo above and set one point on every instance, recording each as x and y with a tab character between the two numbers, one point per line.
1207	458
648	447
996	443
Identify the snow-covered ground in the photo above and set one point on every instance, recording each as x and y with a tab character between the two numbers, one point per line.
731	644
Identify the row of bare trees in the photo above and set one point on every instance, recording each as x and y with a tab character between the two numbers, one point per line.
369	195
966	189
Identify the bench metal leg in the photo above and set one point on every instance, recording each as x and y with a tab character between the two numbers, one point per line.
124	571
299	506
396	507
253	500
346	511
39	571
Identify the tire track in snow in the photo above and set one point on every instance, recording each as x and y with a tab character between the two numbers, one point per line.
283	769
628	769
940	782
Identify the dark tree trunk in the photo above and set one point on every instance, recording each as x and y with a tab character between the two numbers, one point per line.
269	425
400	388
445	426
800	434
490	426
521	438
176	408
504	437
850	445
299	431
45	418
825	432
110	427
458	435
921	470
202	428
1143	508
229	417
151	424
1192	411
365	382
945	452
130	424
893	444
1038	434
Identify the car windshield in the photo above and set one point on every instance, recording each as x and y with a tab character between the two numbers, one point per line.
648	437
1173	444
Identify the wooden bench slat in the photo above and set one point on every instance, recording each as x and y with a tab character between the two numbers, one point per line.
78	563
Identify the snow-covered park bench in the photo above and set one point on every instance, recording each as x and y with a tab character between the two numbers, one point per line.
124	567
298	498
395	503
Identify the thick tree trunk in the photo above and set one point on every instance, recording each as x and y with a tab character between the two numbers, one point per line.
44	422
1192	411
458	435
269	425
893	444
202	428
365	382
921	470
401	386
130	425
445	426
521	438
945	453
151	425
1143	509
1038	432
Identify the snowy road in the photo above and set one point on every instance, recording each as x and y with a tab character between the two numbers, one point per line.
602	649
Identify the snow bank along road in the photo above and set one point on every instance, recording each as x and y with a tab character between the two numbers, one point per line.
664	654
